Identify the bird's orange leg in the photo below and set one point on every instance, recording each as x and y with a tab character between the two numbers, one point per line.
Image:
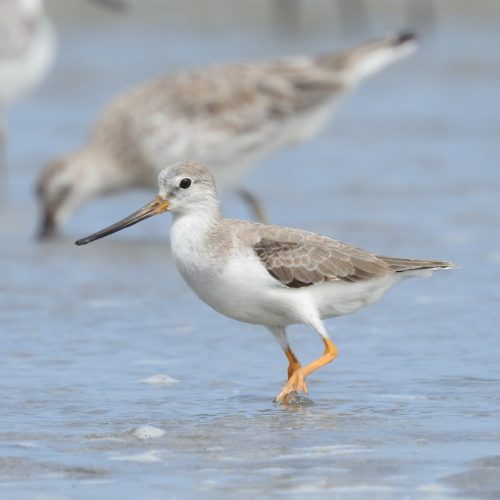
293	362
280	335
296	382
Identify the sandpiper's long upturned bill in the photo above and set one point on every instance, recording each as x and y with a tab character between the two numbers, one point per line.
268	275
226	117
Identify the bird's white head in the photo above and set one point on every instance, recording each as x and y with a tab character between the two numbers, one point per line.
188	187
60	189
185	188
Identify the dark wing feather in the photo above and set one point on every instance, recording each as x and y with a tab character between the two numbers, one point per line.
303	263
400	265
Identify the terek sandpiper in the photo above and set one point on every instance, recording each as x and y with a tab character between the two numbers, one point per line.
226	117
268	275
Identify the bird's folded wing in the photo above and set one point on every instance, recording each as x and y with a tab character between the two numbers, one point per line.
303	263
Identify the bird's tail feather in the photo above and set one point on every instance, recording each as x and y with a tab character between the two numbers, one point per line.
401	265
370	57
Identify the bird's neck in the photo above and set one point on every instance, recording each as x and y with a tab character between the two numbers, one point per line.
99	171
191	229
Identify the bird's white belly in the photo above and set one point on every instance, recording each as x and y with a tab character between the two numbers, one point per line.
244	290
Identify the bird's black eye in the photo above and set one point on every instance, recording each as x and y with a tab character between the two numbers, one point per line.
185	183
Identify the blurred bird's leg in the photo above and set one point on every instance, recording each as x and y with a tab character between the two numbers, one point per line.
297	382
256	206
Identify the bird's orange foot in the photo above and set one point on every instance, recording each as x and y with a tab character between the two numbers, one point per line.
296	384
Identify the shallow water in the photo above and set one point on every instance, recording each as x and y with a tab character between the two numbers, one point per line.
100	343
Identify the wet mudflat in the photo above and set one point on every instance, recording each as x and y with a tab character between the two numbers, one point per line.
116	380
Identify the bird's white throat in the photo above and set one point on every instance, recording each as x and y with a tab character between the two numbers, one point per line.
190	231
